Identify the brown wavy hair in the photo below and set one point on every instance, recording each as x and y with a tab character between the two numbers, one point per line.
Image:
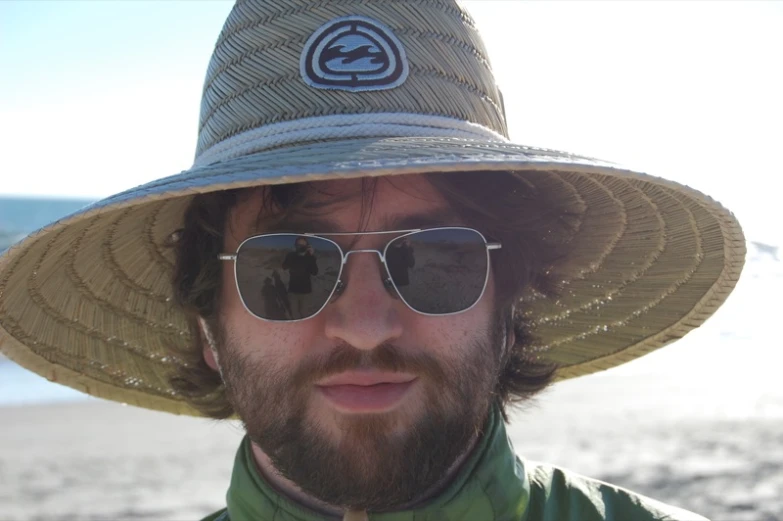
532	226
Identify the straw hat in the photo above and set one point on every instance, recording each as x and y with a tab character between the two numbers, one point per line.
301	91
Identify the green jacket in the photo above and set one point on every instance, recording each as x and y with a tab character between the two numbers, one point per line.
493	485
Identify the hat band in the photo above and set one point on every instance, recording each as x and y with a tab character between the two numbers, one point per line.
339	126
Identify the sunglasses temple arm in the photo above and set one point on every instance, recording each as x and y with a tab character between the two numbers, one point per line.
227	256
494	245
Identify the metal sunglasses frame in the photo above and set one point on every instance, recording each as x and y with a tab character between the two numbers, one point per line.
388	282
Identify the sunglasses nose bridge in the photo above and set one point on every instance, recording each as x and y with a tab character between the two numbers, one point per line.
349	253
379	253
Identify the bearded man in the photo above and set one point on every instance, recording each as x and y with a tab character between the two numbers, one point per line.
358	129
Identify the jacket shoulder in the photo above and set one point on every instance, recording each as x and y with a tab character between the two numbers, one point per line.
559	494
220	515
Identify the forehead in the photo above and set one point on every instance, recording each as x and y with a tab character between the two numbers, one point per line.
399	202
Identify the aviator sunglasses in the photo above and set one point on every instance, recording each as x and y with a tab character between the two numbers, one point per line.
285	277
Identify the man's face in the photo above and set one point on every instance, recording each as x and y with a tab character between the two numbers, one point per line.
368	403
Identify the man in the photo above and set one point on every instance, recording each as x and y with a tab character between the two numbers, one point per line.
365	127
301	266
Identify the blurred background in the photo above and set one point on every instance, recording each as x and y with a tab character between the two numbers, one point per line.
99	96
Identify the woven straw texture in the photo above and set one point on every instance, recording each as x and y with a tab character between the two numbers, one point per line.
87	301
254	80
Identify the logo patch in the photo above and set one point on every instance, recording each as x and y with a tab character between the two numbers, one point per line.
353	53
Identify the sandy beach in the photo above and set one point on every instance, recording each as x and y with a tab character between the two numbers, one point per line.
98	460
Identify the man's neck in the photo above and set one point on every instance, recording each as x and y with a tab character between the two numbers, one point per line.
290	489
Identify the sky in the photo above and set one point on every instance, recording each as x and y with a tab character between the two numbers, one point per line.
100	96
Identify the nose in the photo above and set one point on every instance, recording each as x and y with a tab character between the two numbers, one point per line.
366	314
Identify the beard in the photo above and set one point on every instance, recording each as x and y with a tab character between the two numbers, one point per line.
379	461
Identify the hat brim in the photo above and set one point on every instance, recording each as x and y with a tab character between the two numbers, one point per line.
87	301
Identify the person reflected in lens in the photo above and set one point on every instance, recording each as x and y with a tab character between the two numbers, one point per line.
273	304
301	265
400	259
282	294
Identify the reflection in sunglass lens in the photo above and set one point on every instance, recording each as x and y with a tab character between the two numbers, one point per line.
287	276
439	271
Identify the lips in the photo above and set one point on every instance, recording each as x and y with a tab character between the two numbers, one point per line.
356	392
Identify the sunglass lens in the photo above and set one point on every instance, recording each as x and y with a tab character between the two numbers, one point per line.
287	276
439	271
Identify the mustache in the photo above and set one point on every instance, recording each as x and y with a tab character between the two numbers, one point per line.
385	357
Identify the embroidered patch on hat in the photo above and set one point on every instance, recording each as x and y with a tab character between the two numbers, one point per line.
353	53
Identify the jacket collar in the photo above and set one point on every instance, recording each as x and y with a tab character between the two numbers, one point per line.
492	485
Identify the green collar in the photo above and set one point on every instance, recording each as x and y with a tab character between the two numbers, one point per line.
491	486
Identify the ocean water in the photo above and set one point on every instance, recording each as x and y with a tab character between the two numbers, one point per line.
728	368
22	215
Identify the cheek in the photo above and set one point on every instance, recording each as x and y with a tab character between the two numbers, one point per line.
283	343
450	336
243	330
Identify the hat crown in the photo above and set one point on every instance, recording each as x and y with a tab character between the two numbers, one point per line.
375	68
